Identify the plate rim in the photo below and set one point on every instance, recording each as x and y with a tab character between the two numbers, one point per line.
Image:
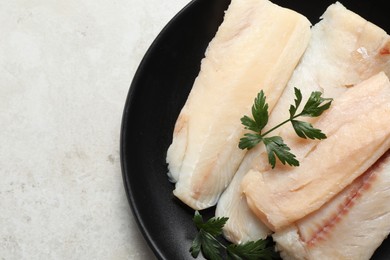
126	111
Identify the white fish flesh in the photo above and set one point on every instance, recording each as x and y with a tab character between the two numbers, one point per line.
357	135
250	51
360	44
350	226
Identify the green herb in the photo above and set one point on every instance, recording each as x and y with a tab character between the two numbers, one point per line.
207	242
275	145
252	250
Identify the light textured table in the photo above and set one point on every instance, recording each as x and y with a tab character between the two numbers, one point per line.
65	70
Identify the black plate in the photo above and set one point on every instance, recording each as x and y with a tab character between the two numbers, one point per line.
157	93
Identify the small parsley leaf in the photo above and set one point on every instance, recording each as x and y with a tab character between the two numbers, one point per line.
297	100
206	242
196	245
197	219
249	141
252	250
260	111
249	123
276	146
316	105
306	130
213	225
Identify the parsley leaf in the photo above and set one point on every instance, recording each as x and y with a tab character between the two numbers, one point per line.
251	250
259	113
249	123
313	107
306	130
297	100
206	242
249	141
276	146
213	226
196	245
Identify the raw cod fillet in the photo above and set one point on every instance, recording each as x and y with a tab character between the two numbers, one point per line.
242	226
350	226
357	135
251	51
360	45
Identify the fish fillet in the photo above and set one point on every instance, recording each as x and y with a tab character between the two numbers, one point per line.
242	225
350	226
344	66
358	134
250	51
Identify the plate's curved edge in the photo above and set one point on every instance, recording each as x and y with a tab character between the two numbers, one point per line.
126	111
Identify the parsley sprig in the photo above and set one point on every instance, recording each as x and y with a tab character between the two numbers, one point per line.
275	145
207	242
